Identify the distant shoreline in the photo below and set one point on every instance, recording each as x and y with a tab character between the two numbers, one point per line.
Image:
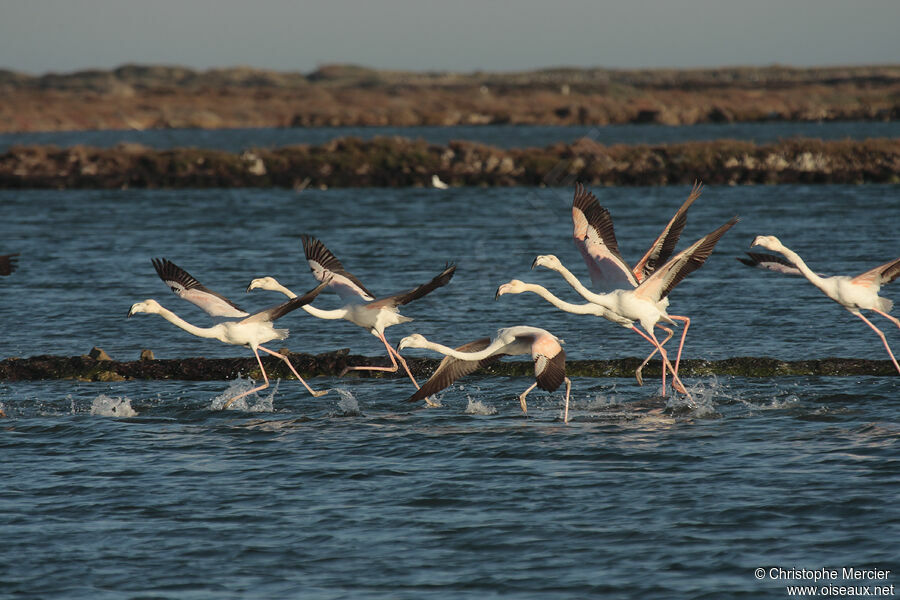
401	162
161	97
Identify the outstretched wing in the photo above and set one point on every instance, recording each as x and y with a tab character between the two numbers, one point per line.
406	297
657	286
880	275
595	238
186	287
663	246
452	369
323	263
279	310
770	262
8	263
550	371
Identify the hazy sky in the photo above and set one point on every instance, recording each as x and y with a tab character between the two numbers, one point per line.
37	36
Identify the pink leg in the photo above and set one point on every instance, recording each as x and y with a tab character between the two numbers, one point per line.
676	381
522	397
392	369
285	359
881	335
687	323
568	389
256	389
891	318
637	374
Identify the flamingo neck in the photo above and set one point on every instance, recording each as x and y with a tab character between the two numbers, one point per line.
204	332
578	309
579	287
319	313
810	275
447	351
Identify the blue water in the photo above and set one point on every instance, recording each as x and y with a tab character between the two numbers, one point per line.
145	489
504	136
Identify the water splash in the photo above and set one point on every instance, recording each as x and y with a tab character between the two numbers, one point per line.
704	392
239	386
477	407
348	404
105	406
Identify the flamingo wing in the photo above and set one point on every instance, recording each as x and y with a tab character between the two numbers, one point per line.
663	246
770	262
8	263
550	371
323	263
595	238
660	283
450	369
880	275
408	296
188	288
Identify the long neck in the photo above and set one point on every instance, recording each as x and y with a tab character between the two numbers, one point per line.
578	309
309	308
447	351
804	270
579	287
204	332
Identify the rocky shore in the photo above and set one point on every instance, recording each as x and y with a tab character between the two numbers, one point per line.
332	363
399	162
158	97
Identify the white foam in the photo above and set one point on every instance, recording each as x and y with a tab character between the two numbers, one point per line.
105	406
477	407
239	386
348	403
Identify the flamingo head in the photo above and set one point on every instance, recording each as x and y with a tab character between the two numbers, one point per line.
513	287
770	242
412	341
266	283
147	306
548	261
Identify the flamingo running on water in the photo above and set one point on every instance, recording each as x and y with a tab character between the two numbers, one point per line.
853	293
643	303
595	238
362	308
8	263
252	331
545	350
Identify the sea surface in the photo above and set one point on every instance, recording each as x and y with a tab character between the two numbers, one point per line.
504	136
147	489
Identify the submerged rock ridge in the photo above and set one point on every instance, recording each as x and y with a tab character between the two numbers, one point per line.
163	97
401	162
330	364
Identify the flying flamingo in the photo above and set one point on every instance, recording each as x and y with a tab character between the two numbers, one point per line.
252	332
8	263
595	238
362	308
185	286
545	350
853	293
643	303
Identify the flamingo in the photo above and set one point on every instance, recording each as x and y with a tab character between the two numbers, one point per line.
8	263
252	332
595	238
185	286
643	304
853	293
362	308
437	183
545	350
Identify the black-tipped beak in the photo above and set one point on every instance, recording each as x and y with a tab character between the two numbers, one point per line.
534	263
497	295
